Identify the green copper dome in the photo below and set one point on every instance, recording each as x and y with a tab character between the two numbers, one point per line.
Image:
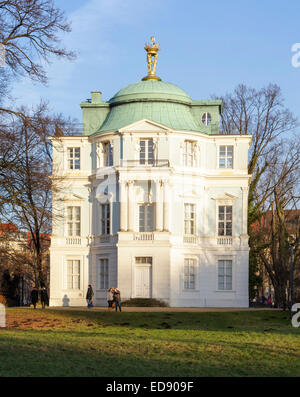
164	103
151	90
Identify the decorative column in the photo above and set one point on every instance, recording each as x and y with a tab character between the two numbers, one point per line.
131	205
166	214
123	206
245	210
159	207
206	210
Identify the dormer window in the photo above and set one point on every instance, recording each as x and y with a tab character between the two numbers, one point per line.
206	118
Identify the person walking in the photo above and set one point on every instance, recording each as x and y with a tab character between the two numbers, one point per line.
44	297
34	297
89	296
269	301
110	298
117	299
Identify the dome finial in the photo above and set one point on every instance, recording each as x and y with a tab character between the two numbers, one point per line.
152	50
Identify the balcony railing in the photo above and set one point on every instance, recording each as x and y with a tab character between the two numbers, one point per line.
145	163
224	240
143	236
190	239
73	241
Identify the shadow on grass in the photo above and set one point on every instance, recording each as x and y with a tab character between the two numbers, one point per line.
35	358
263	321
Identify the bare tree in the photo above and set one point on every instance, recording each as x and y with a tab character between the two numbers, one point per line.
279	227
29	32
262	114
26	188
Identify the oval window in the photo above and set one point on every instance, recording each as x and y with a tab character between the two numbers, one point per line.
206	118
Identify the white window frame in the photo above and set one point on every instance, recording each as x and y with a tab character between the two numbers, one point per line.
207	120
71	165
108	155
232	274
73	275
226	156
73	221
103	277
190	219
106	220
147	161
145	218
189	155
220	204
186	286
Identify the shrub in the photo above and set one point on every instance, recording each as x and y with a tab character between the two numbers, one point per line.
144	302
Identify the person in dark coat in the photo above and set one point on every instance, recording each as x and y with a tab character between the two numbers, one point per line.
44	297
89	296
117	299
34	296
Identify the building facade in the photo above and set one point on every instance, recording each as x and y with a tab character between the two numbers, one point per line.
154	201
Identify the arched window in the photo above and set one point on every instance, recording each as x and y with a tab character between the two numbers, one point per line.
206	118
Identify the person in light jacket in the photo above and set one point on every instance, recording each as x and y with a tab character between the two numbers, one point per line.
110	298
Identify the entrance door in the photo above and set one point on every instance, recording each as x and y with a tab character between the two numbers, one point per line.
143	281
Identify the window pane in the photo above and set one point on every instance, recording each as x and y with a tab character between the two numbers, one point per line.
77	213
229	150
70	229
221	163
229	163
70	213
222	151
220	282
221	229
76	267
228	229
228	285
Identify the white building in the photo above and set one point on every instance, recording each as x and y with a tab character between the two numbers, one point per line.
154	202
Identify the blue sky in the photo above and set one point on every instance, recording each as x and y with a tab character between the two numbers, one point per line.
206	48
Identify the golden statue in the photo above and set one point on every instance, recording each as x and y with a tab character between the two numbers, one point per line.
152	50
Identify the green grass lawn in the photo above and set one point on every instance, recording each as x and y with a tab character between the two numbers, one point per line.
81	343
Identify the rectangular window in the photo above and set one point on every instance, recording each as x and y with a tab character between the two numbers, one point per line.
104	273
189	219
143	260
74	158
146	216
73	274
108	154
189	273
225	220
188	154
225	275
105	219
226	157
146	152
73	221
